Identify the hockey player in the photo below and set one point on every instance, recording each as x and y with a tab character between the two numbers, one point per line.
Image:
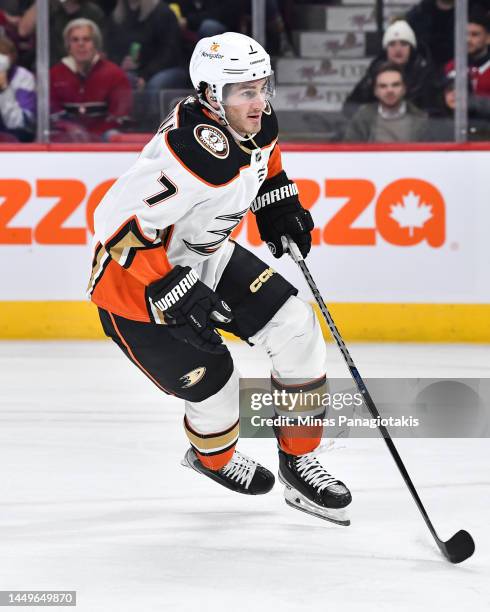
165	273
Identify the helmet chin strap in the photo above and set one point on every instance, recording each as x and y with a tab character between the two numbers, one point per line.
222	116
238	136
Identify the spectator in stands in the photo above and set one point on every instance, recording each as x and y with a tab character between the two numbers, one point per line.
277	35
478	34
202	18
15	7
144	39
442	124
8	22
17	96
400	48
90	96
433	24
107	6
61	12
442	120
391	118
441	127
9	26
209	17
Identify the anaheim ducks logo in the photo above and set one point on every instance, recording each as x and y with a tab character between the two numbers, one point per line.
192	378
212	139
214	47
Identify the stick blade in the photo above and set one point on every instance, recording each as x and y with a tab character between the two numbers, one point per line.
459	547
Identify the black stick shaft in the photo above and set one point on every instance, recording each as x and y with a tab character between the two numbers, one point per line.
361	386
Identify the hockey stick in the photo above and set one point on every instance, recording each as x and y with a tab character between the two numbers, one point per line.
461	545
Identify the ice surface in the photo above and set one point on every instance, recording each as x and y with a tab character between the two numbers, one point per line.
93	497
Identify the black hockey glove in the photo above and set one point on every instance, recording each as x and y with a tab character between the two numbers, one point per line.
279	213
191	309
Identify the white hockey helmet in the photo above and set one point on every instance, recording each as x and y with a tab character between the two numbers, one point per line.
229	58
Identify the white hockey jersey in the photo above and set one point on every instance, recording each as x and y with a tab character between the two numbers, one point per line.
178	204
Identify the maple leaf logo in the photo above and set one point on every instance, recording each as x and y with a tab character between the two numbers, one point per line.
411	213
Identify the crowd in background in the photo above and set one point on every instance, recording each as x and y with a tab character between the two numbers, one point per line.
106	55
110	59
408	91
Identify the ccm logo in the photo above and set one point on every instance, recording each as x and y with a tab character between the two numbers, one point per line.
261	279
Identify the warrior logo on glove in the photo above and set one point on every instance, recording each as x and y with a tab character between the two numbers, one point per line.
191	309
279	213
177	291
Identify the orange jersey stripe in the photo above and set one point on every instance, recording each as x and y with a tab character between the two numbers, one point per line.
122	289
275	162
121	293
150	265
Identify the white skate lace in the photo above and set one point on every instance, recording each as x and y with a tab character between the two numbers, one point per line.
240	468
314	473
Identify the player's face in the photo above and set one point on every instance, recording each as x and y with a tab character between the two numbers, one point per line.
389	89
81	44
476	38
398	52
244	105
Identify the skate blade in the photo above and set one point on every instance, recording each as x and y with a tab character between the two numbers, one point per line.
186	463
294	499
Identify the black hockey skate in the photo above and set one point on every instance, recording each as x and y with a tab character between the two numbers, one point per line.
311	489
240	474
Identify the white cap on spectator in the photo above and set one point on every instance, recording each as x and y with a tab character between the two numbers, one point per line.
400	30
